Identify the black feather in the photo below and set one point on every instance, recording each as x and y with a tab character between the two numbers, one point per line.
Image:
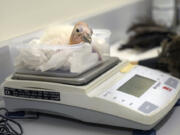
170	55
147	35
143	22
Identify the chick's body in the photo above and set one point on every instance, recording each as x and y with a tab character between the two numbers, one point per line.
41	55
67	34
57	35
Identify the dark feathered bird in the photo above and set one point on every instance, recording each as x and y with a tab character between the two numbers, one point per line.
170	55
146	34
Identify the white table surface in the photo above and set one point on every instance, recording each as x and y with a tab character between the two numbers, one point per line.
131	54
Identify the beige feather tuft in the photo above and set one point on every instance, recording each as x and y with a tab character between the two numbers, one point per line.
57	35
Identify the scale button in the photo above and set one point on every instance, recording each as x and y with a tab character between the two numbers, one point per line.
171	82
106	94
157	85
147	107
167	88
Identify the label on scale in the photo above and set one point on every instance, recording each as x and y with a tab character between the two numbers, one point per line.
35	94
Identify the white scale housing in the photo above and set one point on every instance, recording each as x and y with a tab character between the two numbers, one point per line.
137	99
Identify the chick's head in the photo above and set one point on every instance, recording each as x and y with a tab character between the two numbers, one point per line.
81	33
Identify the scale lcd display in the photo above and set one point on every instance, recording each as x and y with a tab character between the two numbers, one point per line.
137	85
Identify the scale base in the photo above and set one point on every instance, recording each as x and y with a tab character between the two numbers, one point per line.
77	113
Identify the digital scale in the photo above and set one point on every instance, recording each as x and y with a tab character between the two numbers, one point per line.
112	93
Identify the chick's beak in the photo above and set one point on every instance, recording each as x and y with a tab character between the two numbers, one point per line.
87	38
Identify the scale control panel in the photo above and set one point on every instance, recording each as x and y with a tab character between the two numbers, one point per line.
142	89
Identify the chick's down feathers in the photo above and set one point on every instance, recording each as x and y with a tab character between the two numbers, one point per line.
57	35
67	35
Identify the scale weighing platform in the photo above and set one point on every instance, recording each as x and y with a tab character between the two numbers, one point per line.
112	93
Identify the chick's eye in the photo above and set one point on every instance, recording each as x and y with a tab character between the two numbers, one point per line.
77	30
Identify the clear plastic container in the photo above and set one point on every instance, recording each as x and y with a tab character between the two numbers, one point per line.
101	41
34	56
